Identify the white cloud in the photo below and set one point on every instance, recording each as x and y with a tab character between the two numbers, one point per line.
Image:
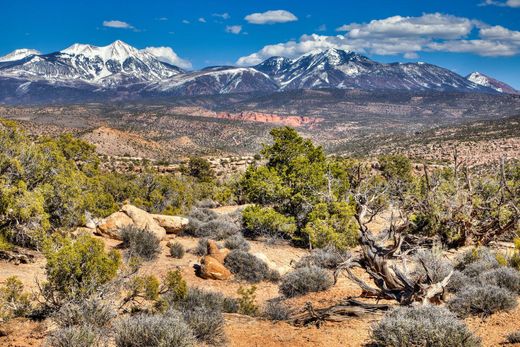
428	25
403	35
117	24
162	18
167	55
224	15
508	3
234	29
202	20
271	17
185	21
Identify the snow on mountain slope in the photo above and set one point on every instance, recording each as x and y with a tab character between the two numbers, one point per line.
486	81
335	68
19	54
217	80
107	66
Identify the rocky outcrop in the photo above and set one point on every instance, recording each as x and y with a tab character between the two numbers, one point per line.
172	224
131	215
219	254
211	268
144	220
111	225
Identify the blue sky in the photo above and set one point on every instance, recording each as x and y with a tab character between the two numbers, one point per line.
463	35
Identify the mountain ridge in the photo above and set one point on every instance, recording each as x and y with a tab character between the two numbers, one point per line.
122	71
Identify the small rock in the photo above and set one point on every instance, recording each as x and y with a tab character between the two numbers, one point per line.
172	224
211	268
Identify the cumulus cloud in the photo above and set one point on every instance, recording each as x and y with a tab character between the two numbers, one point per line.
403	35
202	20
430	25
167	55
234	29
185	21
117	24
271	17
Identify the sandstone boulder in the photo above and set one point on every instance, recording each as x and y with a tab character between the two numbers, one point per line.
144	220
217	253
111	225
211	268
172	224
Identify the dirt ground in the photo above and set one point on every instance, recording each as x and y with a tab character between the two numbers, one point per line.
243	330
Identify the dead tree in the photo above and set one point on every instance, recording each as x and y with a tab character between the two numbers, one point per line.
380	264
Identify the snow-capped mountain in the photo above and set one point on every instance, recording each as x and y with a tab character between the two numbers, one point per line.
486	81
18	54
335	68
108	66
216	80
122	71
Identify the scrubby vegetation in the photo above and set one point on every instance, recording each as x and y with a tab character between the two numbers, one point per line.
422	326
140	243
482	300
249	268
154	331
177	250
297	195
304	280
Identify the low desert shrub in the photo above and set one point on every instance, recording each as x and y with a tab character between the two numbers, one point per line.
76	267
249	268
476	259
503	277
276	310
207	324
140	243
153	331
460	280
77	336
207	223
176	286
514	337
431	326
198	297
91	312
304	280
14	302
327	258
202	247
482	300
246	303
237	241
438	268
177	250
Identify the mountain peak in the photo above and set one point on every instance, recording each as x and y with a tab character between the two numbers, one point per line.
19	54
486	81
117	50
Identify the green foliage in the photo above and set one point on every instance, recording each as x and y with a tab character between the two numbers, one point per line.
176	285
396	167
200	169
265	221
77	267
302	191
14	302
246	302
332	225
